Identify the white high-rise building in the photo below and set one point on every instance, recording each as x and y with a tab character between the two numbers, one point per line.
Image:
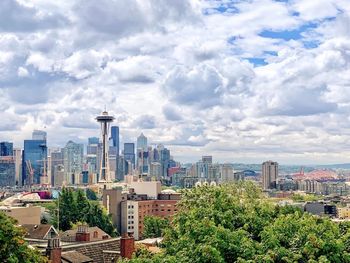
73	162
142	142
269	175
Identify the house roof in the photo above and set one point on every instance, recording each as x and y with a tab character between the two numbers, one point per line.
95	249
69	235
75	257
37	231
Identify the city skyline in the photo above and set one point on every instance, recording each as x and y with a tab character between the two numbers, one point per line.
220	78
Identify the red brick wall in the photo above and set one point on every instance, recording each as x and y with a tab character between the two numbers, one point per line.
54	255
161	208
127	247
83	237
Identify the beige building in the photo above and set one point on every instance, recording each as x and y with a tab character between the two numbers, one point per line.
24	215
151	189
269	175
343	212
111	200
227	173
17	154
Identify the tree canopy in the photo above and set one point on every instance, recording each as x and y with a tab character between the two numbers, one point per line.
13	248
154	226
74	207
235	223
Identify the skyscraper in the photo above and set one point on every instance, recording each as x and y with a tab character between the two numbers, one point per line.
114	154
34	160
269	175
129	152
207	159
142	142
227	173
73	161
57	167
91	157
7	171
115	137
6	149
164	161
17	155
93	140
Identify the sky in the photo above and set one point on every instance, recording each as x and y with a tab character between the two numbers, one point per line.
242	80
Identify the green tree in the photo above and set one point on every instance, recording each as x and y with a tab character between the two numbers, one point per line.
13	248
235	223
83	206
74	207
91	195
154	226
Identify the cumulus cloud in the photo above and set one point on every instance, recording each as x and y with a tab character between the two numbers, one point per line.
200	86
241	80
16	16
145	122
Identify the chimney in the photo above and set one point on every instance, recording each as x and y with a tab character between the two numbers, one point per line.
83	234
127	247
54	250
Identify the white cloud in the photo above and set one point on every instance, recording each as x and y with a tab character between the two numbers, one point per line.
180	69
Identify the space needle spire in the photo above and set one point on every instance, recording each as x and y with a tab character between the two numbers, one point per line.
104	119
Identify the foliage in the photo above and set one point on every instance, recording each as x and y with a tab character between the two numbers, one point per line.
74	207
235	223
305	198
90	194
13	248
154	226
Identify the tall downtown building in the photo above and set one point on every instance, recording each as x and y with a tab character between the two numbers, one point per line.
129	152
269	175
115	137
142	142
114	154
73	155
6	148
34	160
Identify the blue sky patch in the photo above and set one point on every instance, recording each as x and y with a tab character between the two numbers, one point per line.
257	61
287	35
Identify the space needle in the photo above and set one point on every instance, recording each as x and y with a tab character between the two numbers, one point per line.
104	119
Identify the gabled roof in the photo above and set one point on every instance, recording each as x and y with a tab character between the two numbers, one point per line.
69	235
75	257
38	231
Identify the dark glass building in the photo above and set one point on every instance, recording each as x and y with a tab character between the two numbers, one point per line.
35	153
129	152
93	140
164	161
7	171
6	149
115	137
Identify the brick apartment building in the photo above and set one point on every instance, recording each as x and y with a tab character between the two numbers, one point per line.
134	213
129	209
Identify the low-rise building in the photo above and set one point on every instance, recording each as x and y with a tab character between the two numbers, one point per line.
343	212
29	215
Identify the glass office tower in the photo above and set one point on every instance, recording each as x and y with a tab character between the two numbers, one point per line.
34	155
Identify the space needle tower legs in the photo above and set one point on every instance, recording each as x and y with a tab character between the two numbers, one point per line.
104	176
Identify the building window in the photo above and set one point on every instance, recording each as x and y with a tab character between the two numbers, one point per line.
95	234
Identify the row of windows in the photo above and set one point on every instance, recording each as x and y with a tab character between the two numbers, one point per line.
162	205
